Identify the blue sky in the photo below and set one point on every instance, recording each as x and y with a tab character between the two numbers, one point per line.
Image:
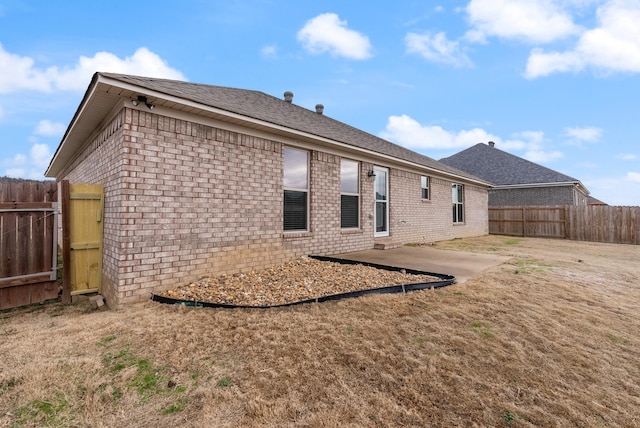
556	82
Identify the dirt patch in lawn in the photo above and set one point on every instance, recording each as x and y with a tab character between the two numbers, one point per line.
548	338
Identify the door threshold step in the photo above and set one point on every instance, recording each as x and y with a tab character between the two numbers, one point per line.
386	244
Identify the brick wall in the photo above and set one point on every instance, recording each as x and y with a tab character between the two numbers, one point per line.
413	219
185	200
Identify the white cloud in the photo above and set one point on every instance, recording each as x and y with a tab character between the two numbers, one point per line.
539	156
1	113
18	160
143	62
535	21
31	166
20	73
586	134
627	156
327	33
542	64
614	46
616	190
533	143
50	129
437	48
269	51
40	155
409	133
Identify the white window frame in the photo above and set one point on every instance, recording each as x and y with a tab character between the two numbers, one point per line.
457	190
425	179
357	226
378	170
293	189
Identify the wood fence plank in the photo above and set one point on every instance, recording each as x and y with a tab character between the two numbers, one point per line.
66	241
27	242
24	279
42	291
580	223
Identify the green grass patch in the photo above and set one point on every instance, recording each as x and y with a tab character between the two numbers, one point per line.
527	266
131	374
119	360
148	380
615	339
482	328
116	394
106	340
176	407
508	417
46	412
222	383
458	243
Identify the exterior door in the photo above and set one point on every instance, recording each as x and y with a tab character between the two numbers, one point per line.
381	189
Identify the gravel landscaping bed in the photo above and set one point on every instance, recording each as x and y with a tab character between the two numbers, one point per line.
300	279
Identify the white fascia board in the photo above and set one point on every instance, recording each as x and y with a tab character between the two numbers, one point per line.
71	127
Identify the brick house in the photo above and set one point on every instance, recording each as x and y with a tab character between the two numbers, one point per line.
517	181
203	180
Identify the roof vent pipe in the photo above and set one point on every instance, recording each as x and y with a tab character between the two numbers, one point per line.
288	96
492	144
319	108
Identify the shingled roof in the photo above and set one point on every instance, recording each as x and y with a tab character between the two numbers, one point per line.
502	168
268	112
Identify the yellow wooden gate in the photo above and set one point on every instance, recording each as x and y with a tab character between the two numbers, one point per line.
84	238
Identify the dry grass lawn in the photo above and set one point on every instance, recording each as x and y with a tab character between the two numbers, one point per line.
550	338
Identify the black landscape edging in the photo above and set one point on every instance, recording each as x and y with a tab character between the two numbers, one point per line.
444	281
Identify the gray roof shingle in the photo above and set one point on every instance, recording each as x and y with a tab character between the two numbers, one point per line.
502	168
266	108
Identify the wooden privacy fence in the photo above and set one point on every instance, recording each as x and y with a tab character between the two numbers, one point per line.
620	225
28	242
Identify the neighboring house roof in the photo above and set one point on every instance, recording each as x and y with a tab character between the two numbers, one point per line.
593	201
506	170
244	107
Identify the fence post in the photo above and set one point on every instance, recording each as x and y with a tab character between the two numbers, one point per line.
567	222
66	241
524	221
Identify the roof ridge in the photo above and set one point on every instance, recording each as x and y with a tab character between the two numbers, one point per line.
503	168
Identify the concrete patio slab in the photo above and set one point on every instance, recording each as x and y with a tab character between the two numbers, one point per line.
461	264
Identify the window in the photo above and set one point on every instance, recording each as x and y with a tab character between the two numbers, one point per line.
457	197
296	189
349	194
424	183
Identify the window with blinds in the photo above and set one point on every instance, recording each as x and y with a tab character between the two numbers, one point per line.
296	189
349	194
424	184
457	196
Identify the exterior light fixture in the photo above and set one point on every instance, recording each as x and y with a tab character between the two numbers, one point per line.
142	99
371	174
